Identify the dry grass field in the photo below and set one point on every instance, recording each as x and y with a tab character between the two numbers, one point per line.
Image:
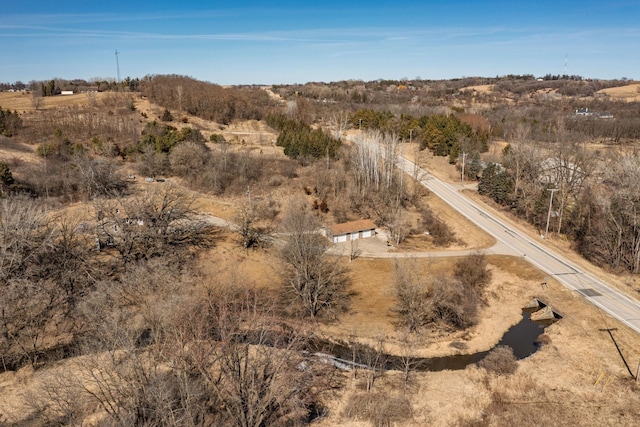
479	88
22	101
627	93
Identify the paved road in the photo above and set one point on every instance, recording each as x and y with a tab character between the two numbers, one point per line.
511	242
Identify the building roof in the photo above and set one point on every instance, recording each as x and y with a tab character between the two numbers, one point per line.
352	227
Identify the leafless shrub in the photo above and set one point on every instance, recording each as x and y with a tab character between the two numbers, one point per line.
500	361
413	306
152	163
275	181
543	339
472	272
442	235
252	226
289	169
449	301
49	179
188	159
380	408
99	177
59	400
452	304
459	345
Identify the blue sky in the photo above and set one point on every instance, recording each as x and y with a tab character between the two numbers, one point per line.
263	42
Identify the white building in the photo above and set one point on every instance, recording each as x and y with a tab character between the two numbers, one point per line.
353	230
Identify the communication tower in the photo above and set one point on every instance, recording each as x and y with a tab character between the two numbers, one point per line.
118	65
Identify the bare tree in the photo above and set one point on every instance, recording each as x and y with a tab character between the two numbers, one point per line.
99	177
570	167
374	359
365	162
524	161
30	297
188	159
262	382
340	122
314	281
131	368
612	234
25	233
154	223
399	227
37	100
59	400
252	224
27	310
408	359
219	356
413	306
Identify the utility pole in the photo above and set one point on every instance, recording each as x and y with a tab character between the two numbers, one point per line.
553	190
410	136
46	180
464	156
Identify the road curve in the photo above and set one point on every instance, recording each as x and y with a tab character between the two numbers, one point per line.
511	242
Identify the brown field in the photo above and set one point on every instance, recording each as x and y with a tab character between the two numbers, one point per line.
21	101
479	88
627	93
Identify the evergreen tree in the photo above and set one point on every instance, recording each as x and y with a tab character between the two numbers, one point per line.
300	140
6	178
10	122
496	183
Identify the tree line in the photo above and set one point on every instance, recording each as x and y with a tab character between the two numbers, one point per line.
592	201
300	140
206	100
444	135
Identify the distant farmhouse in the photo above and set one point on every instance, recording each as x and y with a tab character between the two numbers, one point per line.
353	230
585	112
554	170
